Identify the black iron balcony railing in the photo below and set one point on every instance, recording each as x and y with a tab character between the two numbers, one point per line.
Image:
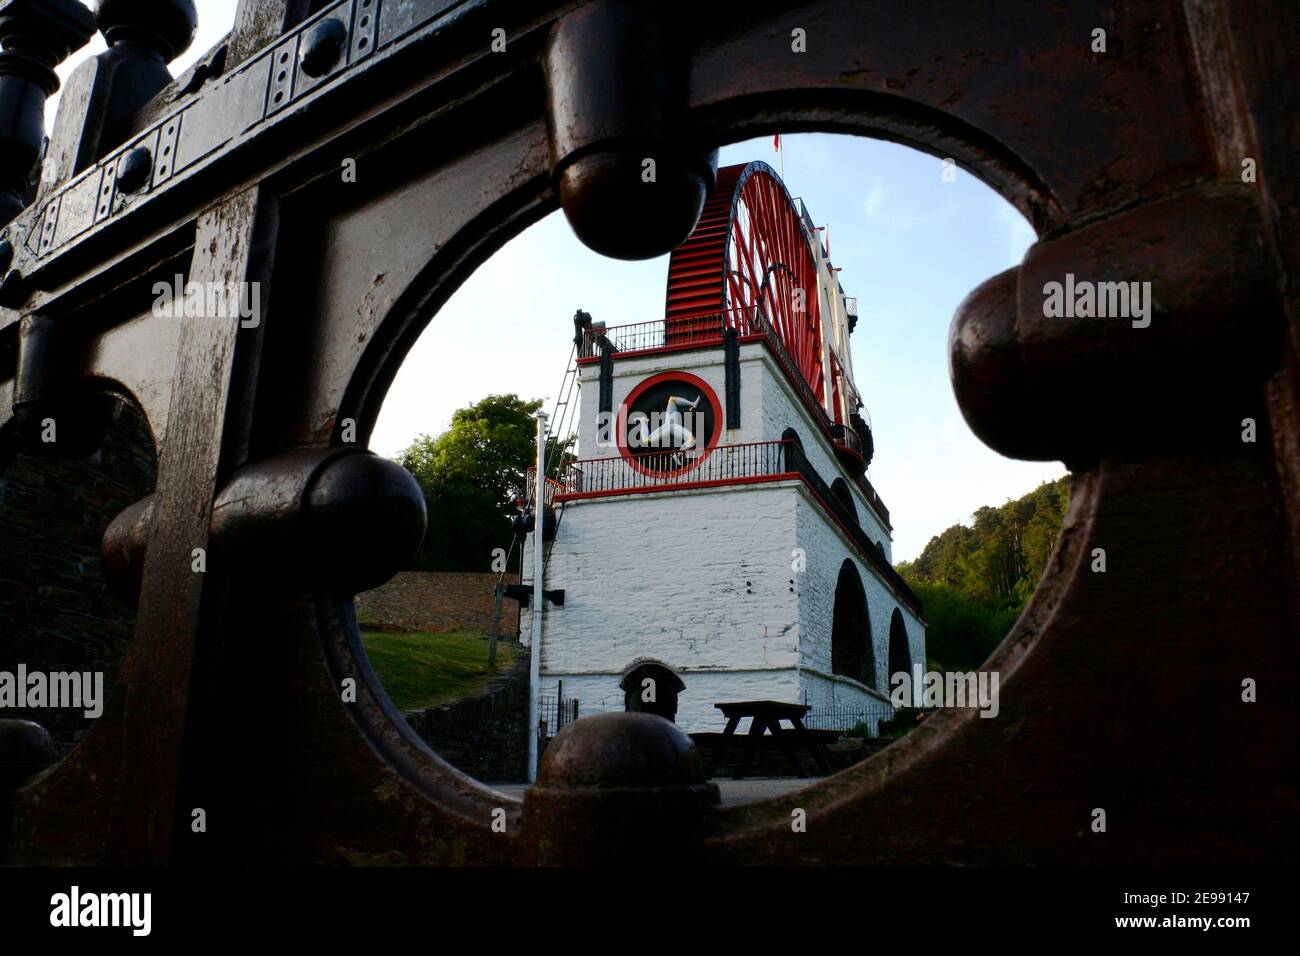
658	470
700	330
723	465
553	488
688	332
846	436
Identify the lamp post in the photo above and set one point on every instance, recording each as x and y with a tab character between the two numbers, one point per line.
535	645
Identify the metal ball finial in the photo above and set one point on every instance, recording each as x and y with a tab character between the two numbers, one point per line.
37	35
50	29
26	748
166	26
618	786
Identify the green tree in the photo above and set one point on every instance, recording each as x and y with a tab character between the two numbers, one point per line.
974	581
473	476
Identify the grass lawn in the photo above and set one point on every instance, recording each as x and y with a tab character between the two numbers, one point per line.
423	669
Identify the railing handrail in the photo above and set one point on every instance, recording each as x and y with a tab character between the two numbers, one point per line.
706	314
666	451
532	470
627	475
846	434
553	487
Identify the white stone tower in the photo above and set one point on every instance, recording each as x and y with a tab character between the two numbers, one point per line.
718	532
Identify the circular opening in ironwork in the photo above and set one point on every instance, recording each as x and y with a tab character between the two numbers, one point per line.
812	540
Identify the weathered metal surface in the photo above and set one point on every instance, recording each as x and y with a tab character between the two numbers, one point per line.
37	35
26	748
628	177
341	520
1120	690
1215	330
635	778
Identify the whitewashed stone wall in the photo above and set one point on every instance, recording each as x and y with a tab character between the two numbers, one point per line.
697	580
781	408
703	581
828	548
734	619
695	710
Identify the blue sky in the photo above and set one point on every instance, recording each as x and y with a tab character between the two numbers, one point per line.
910	245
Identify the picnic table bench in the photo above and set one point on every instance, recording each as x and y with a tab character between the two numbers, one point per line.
766	715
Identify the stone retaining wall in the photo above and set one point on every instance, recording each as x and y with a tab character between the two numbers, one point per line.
56	612
484	735
439	601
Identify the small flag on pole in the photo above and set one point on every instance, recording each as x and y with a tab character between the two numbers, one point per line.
776	143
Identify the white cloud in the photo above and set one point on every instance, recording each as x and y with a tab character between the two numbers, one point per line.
875	197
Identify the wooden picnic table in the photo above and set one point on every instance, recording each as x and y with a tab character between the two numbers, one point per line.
766	715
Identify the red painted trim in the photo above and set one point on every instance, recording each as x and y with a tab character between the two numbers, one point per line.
620	425
660	350
845	448
819	415
745	444
872	558
681	486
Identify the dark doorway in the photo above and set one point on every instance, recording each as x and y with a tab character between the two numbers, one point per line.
851	652
900	654
840	489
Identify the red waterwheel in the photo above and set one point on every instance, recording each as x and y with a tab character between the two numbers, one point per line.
749	261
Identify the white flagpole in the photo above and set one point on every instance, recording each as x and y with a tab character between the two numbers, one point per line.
535	648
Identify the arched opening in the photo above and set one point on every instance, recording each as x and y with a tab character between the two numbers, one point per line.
851	651
651	688
900	654
793	451
840	488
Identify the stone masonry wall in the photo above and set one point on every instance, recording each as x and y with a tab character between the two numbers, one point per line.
703	581
439	601
827	548
699	581
485	735
56	612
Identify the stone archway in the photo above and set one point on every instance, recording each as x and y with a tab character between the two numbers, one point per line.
900	651
840	489
852	654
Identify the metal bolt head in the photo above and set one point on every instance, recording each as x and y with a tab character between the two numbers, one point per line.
321	47
135	169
